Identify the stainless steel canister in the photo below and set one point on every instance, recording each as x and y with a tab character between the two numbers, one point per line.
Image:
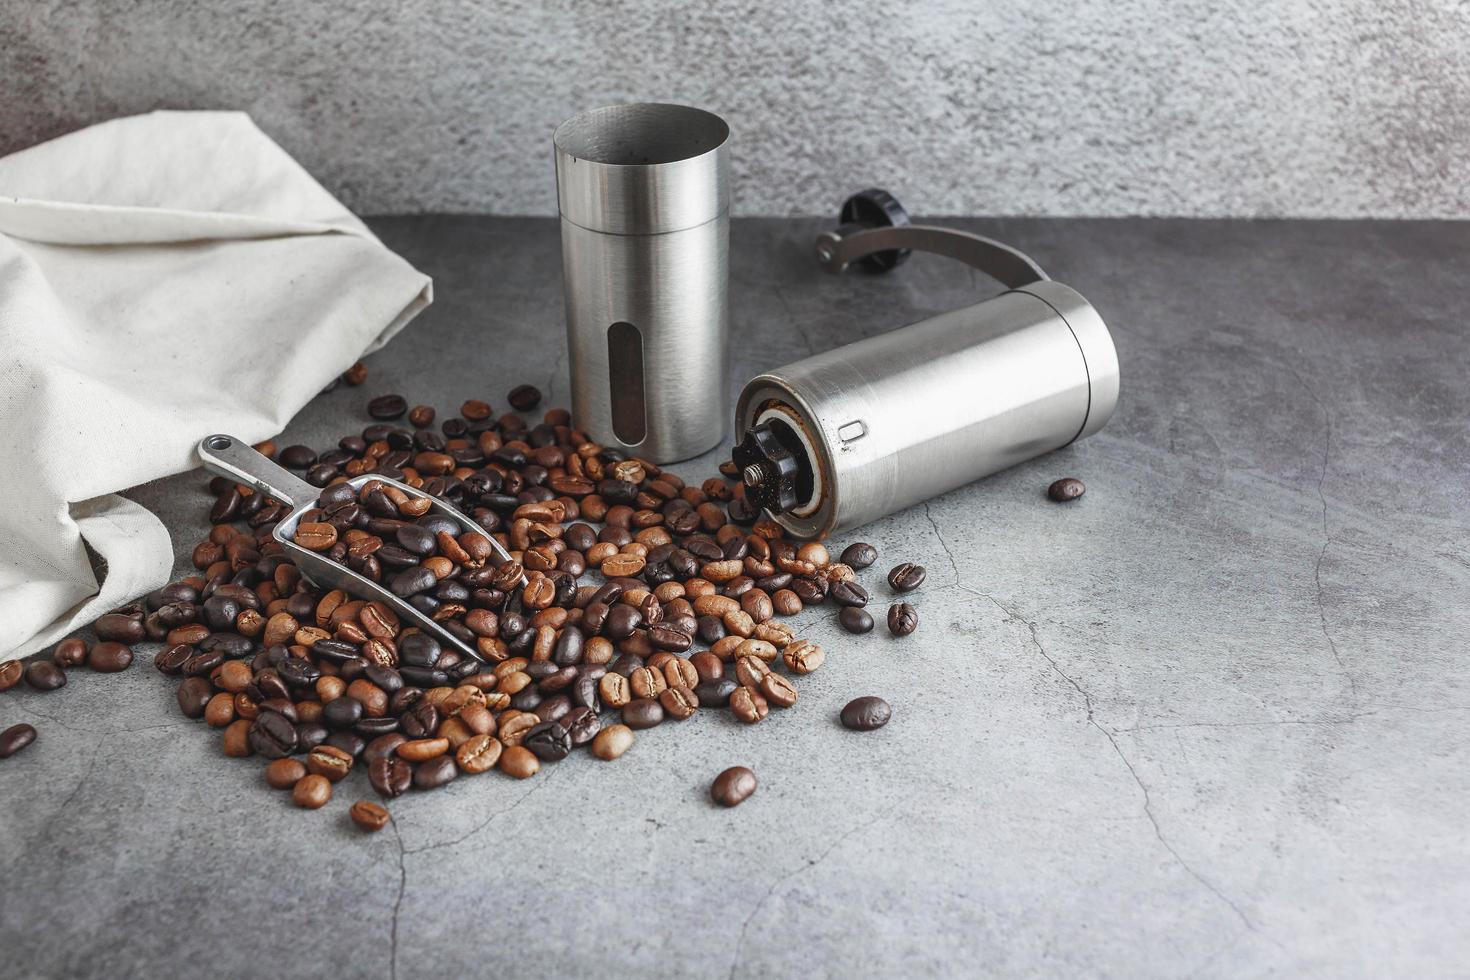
643	191
845	437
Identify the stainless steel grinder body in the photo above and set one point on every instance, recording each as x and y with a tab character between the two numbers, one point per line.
643	192
887	422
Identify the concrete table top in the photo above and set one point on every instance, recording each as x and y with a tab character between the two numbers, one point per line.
1212	719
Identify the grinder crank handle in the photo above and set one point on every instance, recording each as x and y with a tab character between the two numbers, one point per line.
875	231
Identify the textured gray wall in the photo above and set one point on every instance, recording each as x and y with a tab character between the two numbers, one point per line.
1183	107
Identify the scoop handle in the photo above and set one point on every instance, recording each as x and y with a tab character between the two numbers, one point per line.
228	457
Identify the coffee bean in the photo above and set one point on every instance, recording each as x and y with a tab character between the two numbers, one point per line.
803	656
866	714
1065	489
748	705
333	763
284	773
193	696
479	754
369	816
387	407
549	740
421	749
778	691
679	702
311	792
390	776
859	555
120	628
848	594
11	672
642	713
906	577
733	786
612	742
412	581
272	735
435	772
15	738
421	416
315	536
855	620
523	398
356	374
519	761
43	675
903	619
297	457
109	658
476	410
69	653
715	693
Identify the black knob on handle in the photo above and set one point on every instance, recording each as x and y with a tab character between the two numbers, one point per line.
875	208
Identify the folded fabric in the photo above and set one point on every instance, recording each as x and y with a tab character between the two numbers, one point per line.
161	277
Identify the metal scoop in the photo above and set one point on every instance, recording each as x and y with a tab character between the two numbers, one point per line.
232	459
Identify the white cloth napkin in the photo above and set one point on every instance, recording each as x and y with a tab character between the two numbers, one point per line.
162	277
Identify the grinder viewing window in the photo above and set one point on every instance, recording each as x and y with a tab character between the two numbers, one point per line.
844	437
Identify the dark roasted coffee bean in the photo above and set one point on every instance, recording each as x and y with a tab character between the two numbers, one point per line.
109	658
859	555
220	612
382	747
70	653
172	659
193	696
349	742
369	816
549	741
846	593
855	619
421	416
390	776
419	650
343	712
906	577
903	619
272	735
412	581
811	591
297	457
582	725
523	398
866	714
733	786
435	772
569	647
715	693
298	672
120	628
419	540
376	727
1065	489
387	407
15	738
43	675
642	713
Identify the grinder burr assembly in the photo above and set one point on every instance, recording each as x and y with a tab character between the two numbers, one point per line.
643	191
845	437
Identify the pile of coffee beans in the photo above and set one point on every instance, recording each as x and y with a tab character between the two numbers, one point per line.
682	616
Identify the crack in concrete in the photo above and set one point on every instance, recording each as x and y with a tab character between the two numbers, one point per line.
799	869
1326	533
397	903
487	821
954	565
1378	709
1123	758
67	726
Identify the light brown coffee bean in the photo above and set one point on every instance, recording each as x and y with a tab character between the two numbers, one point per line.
311	792
315	536
328	761
780	692
759	649
612	742
513	729
284	773
679	702
519	761
220	710
748	705
750	671
421	749
237	739
646	682
614	690
369	816
803	656
11	672
479	754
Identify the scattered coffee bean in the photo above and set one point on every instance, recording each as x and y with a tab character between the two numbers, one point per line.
387	407
70	653
903	619
11	672
1065	489
523	398
733	786
109	658
369	816
612	742
284	773
297	457
43	675
859	555
421	416
855	620
311	792
906	577
356	374
15	738
866	714
848	594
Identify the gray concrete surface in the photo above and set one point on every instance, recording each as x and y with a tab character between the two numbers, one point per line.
1312	108
1212	720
